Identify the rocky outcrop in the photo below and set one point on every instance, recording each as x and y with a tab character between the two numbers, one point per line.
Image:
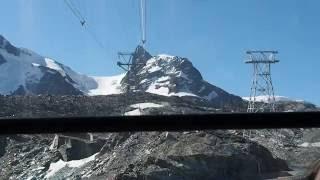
188	155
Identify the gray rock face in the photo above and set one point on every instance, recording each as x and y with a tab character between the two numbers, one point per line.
190	155
53	84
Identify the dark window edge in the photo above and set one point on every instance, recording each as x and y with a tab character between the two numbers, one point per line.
161	123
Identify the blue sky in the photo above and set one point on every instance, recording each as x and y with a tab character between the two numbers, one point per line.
213	34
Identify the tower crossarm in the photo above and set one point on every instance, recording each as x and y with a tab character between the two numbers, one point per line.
262	61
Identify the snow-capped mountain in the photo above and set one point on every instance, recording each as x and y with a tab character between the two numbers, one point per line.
26	72
173	76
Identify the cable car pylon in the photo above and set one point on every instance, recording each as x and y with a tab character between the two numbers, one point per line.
127	60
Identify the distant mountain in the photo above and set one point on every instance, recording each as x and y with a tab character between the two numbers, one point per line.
287	104
277	99
25	72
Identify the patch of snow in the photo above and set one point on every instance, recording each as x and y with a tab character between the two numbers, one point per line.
81	162
161	89
154	69
135	112
306	144
143	81
54	144
57	166
147	151
36	64
165	56
164	91
39	168
146	105
53	65
163	78
167	133
107	85
180	94
157	63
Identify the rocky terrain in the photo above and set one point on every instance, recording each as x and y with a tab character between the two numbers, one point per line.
147	155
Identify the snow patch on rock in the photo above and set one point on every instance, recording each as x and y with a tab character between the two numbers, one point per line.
53	65
57	166
135	112
307	144
146	105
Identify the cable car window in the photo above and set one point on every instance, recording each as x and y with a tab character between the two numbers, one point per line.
109	62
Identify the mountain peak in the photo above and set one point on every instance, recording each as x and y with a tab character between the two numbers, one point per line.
169	75
140	55
7	46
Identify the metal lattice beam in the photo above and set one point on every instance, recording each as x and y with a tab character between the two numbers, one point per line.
261	80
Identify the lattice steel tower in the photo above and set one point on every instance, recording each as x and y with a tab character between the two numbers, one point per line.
262	86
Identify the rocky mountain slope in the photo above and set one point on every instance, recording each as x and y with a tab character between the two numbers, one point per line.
128	155
147	155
